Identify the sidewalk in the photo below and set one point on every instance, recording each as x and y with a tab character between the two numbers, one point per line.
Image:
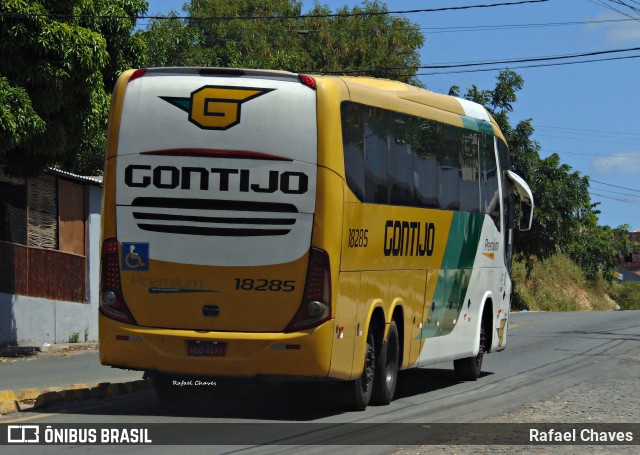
60	371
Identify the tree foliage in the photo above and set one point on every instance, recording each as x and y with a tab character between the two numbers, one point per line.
58	63
249	43
627	295
172	42
362	38
220	33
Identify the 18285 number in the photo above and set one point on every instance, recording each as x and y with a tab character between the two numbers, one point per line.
262	284
358	238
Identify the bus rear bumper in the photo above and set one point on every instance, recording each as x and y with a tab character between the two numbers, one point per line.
303	354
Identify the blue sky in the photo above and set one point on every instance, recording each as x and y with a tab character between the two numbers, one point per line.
587	113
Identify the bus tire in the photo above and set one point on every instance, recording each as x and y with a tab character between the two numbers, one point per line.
386	376
356	394
469	368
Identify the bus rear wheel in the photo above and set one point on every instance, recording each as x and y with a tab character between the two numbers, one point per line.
386	374
356	394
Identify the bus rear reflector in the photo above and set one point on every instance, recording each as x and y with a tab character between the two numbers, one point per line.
112	302
316	302
308	81
137	74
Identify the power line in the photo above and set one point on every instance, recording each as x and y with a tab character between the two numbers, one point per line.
572	136
480	28
615	186
615	198
586	131
477	70
539	65
486	63
272	17
532	59
598	154
617	2
632	141
618	192
438	30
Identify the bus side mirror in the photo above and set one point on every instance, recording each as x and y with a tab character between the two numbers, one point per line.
526	200
526	216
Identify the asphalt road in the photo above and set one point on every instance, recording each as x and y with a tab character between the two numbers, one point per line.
546	354
59	370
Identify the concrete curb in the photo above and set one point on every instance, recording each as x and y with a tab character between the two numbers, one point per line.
26	351
28	399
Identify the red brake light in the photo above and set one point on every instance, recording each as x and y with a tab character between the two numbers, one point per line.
137	74
316	301
308	81
112	302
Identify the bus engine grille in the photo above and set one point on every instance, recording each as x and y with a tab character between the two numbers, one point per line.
203	217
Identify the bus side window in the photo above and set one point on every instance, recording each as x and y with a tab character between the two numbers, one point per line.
424	136
376	164
353	146
469	184
400	164
449	151
489	180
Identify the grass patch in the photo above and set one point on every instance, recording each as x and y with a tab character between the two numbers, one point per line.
627	295
558	284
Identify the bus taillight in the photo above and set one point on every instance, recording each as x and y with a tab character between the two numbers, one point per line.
112	302
316	302
308	81
137	74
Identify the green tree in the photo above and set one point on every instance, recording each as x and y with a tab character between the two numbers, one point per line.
280	37
273	42
173	42
627	295
598	248
563	209
58	63
363	38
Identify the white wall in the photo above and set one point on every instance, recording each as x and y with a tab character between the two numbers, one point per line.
31	321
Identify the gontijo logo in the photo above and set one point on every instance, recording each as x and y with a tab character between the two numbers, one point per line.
214	107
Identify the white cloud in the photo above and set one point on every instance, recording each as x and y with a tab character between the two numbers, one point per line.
617	32
619	163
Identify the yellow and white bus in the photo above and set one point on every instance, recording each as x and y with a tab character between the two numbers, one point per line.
263	224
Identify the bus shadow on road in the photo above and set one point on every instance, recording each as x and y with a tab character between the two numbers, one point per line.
420	381
306	401
264	401
284	401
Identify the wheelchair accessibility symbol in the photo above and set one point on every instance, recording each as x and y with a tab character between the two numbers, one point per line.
135	256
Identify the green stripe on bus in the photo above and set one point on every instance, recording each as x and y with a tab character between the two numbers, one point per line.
481	126
457	264
463	240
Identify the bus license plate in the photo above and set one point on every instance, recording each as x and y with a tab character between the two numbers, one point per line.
207	348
